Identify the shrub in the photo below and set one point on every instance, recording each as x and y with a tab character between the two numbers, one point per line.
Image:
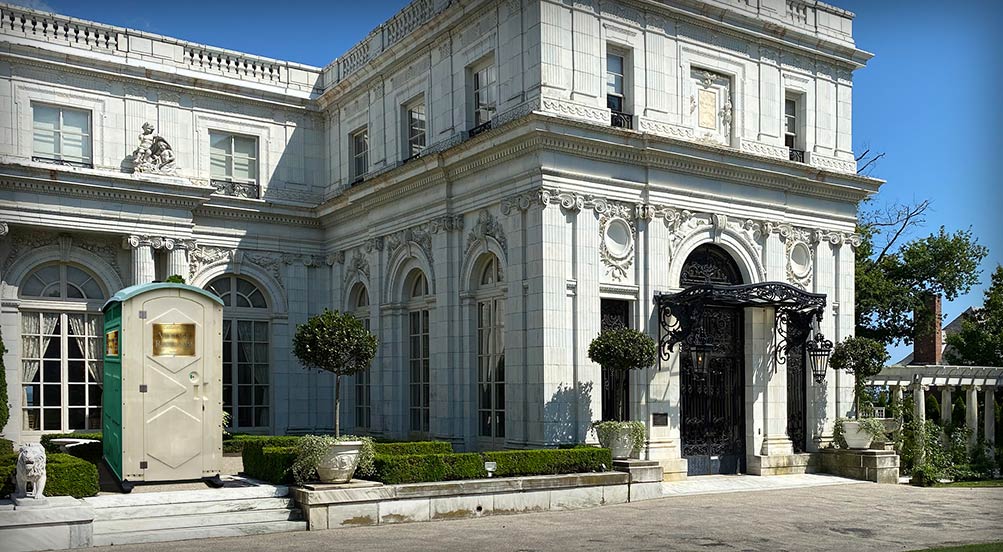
65	476
273	465
415	447
417	468
52	448
839	434
620	350
6	447
252	452
237	442
550	461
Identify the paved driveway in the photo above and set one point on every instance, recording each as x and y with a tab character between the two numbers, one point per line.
841	517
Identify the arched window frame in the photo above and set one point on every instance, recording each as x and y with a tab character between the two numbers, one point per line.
489	350
247	386
417	335
359	303
58	392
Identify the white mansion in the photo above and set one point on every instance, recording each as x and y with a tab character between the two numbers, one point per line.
485	183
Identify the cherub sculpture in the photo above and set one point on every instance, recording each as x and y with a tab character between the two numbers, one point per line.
154	154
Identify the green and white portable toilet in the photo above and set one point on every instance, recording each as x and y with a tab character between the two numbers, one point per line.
163	384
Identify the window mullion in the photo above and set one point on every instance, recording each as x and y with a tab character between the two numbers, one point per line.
64	389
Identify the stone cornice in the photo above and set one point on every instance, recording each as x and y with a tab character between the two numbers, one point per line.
261	214
105	186
523	136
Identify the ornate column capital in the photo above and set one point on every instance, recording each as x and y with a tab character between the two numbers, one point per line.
3	229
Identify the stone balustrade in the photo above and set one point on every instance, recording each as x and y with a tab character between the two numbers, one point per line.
88	36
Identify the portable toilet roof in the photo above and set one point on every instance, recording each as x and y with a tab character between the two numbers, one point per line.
131	291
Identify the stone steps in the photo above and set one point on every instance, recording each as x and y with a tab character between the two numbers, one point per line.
180	515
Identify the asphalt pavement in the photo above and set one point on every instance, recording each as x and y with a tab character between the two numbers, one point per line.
857	518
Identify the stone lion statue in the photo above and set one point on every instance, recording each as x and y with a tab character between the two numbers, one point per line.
30	469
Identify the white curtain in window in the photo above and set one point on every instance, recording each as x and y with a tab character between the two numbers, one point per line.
79	332
29	324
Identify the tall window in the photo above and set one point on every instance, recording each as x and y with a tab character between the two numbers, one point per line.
233	161
419	390
415	131
792	127
614	81
490	353
246	368
61	135
485	91
360	152
61	357
363	380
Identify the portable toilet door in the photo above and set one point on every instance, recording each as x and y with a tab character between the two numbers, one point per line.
170	345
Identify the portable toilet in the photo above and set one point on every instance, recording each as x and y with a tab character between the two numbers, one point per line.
163	384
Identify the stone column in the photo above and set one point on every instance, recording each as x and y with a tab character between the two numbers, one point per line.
177	257
990	422
919	405
143	267
972	412
897	400
945	405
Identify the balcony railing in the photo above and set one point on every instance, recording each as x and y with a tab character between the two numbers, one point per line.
797	155
621	120
66	162
237	189
483	127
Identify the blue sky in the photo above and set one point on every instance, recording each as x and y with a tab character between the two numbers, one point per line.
930	99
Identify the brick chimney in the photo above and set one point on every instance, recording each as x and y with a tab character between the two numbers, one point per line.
928	341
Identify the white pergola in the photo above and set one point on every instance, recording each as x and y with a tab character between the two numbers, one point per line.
971	379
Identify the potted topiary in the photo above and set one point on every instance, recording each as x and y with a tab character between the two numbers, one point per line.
314	458
863	357
620	350
338	343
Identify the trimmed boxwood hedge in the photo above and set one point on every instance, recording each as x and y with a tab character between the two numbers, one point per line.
66	475
550	461
414	447
92	452
416	468
6	446
271	464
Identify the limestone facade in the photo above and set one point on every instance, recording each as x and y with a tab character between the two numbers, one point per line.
527	203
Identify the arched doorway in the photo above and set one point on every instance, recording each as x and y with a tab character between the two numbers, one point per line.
712	392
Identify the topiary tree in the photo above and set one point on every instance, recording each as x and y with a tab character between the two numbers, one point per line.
338	343
861	356
620	350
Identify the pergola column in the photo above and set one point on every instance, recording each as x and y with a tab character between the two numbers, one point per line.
897	400
946	406
919	405
972	412
990	414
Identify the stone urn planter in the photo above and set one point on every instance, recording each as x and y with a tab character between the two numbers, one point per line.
339	462
856	436
621	438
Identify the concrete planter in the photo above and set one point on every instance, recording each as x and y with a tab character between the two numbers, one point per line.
339	464
621	445
856	437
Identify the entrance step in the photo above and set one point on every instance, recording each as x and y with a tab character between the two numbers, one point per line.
180	515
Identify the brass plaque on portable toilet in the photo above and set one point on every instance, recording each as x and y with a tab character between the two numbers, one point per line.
174	339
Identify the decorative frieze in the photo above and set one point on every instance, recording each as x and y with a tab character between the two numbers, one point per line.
357	267
446	223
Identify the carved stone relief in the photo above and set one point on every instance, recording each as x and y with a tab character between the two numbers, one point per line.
153	154
487	226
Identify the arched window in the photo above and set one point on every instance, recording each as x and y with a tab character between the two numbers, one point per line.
363	397
709	264
246	360
61	349
490	347
419	390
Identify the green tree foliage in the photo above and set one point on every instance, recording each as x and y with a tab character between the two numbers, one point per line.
980	340
620	350
175	279
932	408
861	356
892	277
338	343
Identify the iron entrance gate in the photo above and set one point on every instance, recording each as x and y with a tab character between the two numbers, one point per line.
713	401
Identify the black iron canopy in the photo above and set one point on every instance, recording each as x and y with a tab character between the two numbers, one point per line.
681	318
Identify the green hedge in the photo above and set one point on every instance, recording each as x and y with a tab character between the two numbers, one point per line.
66	475
51	447
6	446
550	461
237	442
414	447
416	468
271	464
